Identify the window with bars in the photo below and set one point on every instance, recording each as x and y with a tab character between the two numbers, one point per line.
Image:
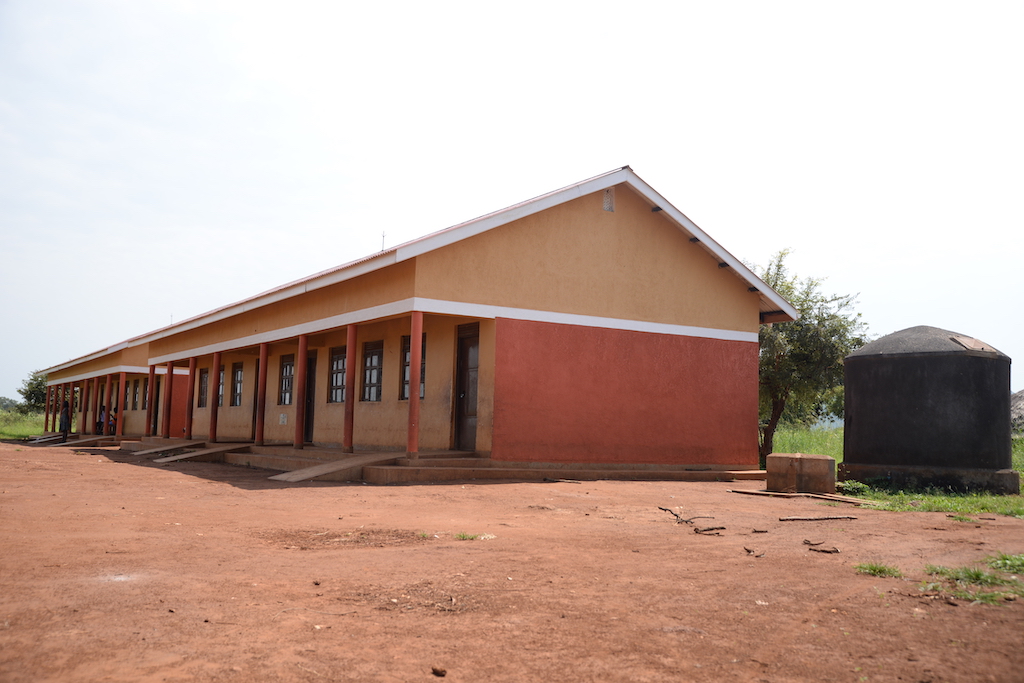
220	388
204	387
336	391
236	384
373	362
407	365
145	394
135	394
287	379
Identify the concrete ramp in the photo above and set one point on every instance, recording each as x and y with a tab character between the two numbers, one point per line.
44	439
216	450
87	441
54	439
354	463
169	447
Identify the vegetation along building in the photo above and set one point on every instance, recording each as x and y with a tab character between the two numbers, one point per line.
593	324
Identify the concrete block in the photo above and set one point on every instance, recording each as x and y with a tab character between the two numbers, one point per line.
801	473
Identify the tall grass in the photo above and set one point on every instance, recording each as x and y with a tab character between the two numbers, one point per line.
15	425
817	440
829	441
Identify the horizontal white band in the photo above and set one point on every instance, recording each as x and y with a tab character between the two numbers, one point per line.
454	308
115	370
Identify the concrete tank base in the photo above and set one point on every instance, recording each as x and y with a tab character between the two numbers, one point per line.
1005	482
800	473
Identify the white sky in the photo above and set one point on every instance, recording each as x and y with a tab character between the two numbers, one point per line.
149	151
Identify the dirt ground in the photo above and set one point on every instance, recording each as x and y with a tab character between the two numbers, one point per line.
113	568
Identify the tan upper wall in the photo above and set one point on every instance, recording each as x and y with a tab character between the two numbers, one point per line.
129	357
389	284
631	264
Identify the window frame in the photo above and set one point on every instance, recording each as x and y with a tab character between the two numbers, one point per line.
220	387
336	378
373	389
286	380
403	389
202	400
237	376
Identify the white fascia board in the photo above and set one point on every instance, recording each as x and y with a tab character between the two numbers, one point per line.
275	295
453	308
312	327
88	357
714	247
492	312
115	370
513	213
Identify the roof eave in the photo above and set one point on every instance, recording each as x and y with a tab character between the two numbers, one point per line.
774	308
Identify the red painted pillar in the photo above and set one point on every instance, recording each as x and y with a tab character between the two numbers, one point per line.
415	358
58	396
150	397
95	405
83	403
59	391
46	409
69	396
80	411
351	359
165	428
71	407
190	406
299	393
261	393
122	403
109	404
214	400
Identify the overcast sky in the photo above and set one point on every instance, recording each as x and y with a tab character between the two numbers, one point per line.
160	159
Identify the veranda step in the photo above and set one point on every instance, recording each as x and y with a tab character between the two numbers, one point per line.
416	473
477	461
344	469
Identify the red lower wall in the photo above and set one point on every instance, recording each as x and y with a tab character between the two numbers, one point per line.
567	393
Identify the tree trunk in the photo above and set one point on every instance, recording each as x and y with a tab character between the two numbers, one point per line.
768	433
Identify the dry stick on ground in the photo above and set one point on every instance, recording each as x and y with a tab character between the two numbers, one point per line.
709	530
814	519
820	496
680	520
333	614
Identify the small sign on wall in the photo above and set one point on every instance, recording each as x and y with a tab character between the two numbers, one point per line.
283	419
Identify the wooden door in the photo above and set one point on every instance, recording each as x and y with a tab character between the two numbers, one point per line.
310	397
467	369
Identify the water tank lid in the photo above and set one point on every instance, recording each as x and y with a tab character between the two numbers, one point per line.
924	339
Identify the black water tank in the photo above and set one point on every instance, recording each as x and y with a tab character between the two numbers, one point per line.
928	397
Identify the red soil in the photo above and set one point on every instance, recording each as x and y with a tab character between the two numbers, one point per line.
113	568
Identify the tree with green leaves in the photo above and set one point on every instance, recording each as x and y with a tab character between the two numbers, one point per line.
33	392
801	362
